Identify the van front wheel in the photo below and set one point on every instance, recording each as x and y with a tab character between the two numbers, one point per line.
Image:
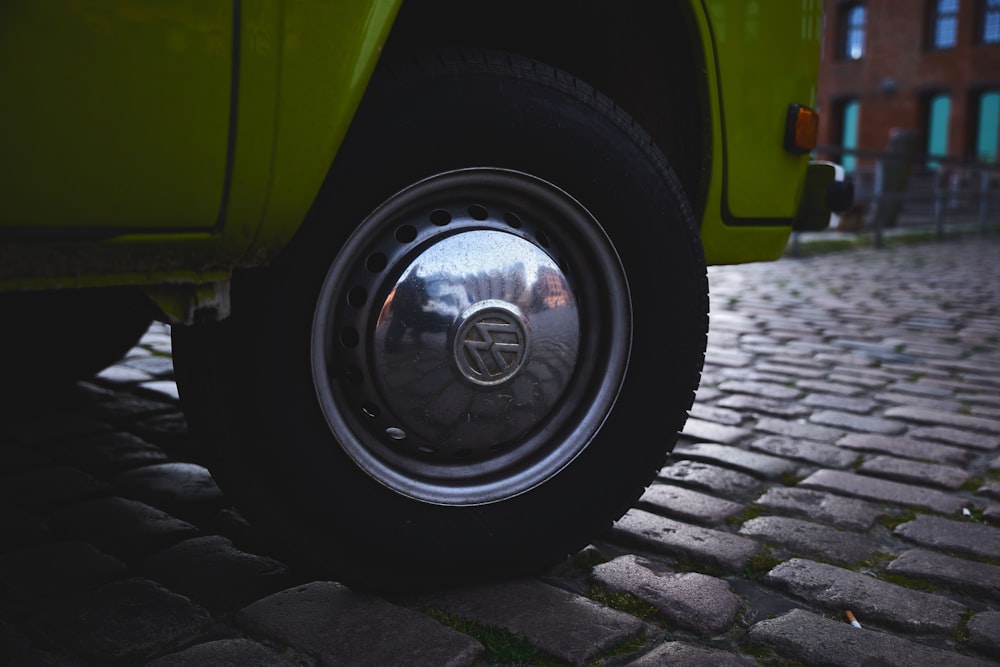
480	348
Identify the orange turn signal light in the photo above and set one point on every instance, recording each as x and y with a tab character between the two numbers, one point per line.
801	129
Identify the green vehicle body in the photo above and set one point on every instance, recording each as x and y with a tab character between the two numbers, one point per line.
165	144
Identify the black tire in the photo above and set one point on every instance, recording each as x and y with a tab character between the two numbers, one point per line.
54	338
321	421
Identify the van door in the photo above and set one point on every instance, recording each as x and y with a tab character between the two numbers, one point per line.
115	115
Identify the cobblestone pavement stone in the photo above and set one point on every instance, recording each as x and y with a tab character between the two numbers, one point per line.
843	455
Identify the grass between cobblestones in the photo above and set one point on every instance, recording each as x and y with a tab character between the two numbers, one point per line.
972	484
502	647
759	564
628	647
751	512
625	602
892	521
874	564
511	649
790	479
588	559
976	558
908	582
976	514
962	632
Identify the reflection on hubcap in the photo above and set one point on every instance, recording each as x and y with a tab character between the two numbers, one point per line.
475	344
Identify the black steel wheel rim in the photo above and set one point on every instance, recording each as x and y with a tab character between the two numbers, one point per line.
471	337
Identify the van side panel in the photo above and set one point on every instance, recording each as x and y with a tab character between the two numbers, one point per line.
301	71
115	115
762	57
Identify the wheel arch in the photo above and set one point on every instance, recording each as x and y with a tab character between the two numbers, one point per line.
646	56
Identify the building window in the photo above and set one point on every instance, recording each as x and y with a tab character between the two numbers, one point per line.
988	126
989	21
944	24
938	110
852	31
847	117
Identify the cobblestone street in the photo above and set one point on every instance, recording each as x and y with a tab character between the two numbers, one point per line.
842	461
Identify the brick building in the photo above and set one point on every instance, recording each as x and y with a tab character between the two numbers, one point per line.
932	66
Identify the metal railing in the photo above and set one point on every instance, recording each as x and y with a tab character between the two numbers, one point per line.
900	189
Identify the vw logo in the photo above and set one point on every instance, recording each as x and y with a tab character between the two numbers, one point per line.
490	343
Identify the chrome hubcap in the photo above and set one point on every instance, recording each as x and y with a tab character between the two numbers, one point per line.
448	338
465	354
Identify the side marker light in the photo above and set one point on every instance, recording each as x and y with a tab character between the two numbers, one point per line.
801	129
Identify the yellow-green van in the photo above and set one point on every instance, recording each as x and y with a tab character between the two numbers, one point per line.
435	270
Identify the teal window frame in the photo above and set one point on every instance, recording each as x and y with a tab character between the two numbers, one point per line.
850	113
938	123
988	126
